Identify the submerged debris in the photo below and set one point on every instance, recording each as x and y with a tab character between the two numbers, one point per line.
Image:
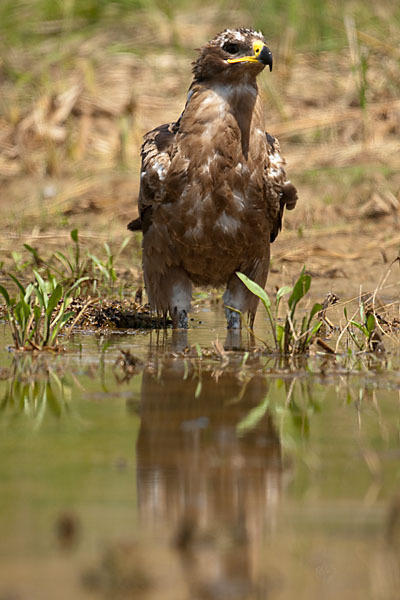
67	528
120	573
126	366
330	300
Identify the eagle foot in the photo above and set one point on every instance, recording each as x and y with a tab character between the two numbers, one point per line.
233	319
179	319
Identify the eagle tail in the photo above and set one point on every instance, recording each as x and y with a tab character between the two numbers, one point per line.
135	225
288	200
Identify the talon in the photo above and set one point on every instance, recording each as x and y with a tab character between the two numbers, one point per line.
180	319
233	319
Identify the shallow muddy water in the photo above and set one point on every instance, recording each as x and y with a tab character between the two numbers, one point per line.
196	476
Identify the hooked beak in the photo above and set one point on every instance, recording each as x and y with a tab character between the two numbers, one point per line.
261	54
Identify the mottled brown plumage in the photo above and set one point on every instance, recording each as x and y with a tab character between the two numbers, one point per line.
213	185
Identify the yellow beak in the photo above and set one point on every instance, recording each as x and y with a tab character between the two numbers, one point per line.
261	54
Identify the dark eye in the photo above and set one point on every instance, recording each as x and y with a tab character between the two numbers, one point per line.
230	48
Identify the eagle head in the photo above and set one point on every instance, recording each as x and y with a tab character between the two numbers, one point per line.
233	54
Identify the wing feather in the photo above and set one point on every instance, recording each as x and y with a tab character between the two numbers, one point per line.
277	175
156	152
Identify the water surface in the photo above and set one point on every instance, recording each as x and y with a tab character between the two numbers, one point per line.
192	476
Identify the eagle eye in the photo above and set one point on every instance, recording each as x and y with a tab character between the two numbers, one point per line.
230	48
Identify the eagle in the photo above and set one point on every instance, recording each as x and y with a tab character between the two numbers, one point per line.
213	185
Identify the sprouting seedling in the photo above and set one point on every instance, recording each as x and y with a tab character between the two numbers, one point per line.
366	327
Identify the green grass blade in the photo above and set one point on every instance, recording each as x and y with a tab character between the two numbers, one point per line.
20	286
41	297
74	286
315	309
100	265
362	312
4	292
28	292
286	289
313	332
42	287
256	289
363	329
370	323
58	324
280	331
108	251
37	313
34	253
252	419
300	289
122	247
54	300
66	263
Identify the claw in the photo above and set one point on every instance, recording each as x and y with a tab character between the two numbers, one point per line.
233	319
180	319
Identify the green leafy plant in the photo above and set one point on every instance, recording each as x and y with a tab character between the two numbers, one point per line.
366	327
99	274
103	271
19	263
290	404
293	336
38	313
34	390
72	263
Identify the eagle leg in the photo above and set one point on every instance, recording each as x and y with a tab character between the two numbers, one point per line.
238	297
170	292
178	288
234	300
233	319
179	318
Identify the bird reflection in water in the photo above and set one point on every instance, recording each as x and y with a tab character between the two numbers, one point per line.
212	482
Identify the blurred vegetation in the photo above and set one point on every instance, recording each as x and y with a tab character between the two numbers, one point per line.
318	23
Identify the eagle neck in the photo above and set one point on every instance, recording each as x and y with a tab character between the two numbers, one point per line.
242	100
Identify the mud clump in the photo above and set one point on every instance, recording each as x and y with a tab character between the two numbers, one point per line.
114	314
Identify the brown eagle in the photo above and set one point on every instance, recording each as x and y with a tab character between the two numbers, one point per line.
213	185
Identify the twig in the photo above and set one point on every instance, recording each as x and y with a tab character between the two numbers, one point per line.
324	346
78	316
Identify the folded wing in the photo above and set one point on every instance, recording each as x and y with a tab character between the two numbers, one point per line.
156	155
277	175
